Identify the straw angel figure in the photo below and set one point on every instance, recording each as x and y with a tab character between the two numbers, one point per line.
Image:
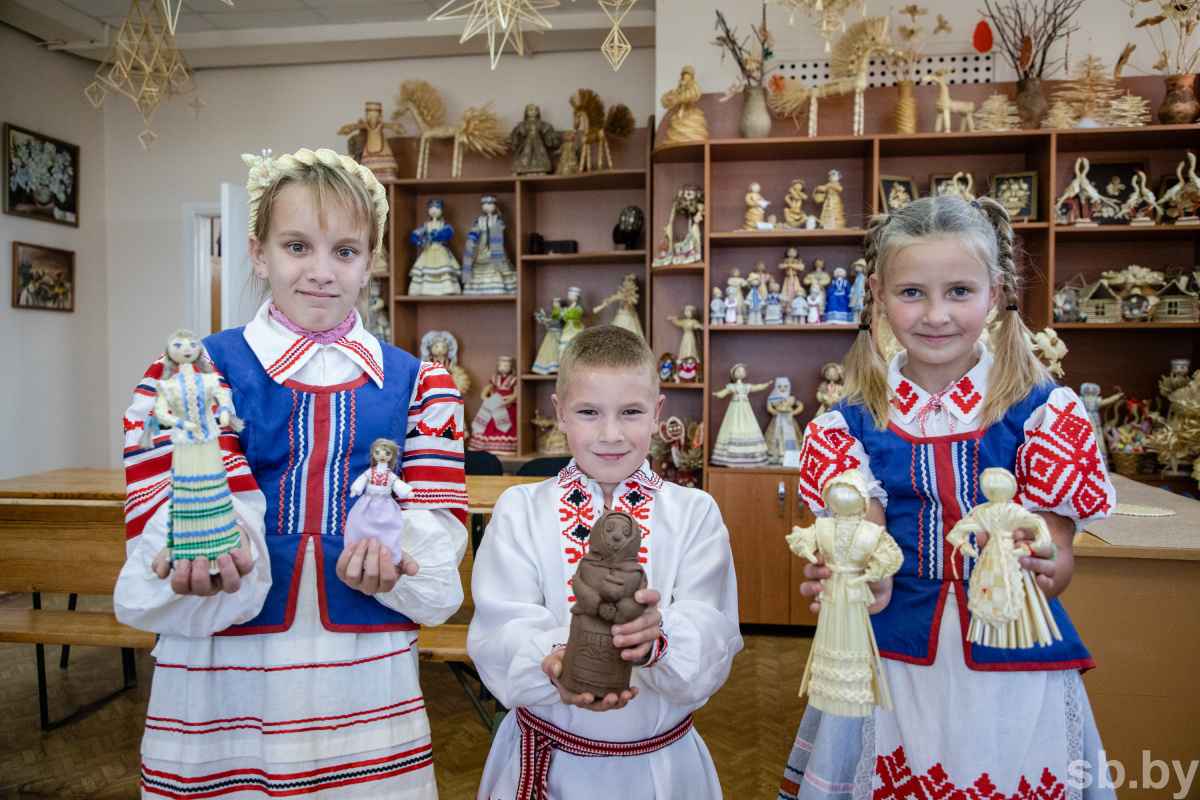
844	674
1007	606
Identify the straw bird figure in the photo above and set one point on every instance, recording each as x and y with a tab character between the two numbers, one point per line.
596	127
480	129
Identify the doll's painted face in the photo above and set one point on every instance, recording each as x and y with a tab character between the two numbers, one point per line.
504	366
738	373
435	212
488	207
439	350
617	533
184	349
315	271
381	454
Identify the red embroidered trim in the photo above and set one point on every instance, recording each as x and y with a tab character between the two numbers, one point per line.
964	396
825	453
1060	460
897	780
905	397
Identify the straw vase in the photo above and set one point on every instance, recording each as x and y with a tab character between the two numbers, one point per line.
904	115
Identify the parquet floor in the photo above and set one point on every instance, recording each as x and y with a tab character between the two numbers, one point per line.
749	725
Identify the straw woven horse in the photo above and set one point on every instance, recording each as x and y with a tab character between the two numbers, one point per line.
590	120
945	106
479	129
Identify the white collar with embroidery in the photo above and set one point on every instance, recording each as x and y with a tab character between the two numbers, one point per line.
963	398
643	476
282	353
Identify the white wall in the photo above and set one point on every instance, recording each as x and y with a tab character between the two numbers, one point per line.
54	391
684	32
284	108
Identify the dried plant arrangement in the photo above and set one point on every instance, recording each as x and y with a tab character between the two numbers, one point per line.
1027	30
911	41
1175	25
752	67
1089	92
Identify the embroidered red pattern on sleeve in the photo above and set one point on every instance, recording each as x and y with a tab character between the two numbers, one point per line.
1060	463
825	453
897	780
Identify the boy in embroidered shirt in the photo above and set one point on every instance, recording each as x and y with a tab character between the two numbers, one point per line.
640	744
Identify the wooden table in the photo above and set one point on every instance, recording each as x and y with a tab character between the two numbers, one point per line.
1135	608
100	484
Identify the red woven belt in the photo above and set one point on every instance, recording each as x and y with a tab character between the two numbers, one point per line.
539	739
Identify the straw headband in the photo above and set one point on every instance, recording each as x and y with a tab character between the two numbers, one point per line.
264	171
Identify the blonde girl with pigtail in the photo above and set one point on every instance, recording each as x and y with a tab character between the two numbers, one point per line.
291	668
921	430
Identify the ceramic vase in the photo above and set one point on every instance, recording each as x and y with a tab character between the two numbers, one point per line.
1180	106
756	119
1031	103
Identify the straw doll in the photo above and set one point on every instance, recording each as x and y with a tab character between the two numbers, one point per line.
486	268
783	431
740	440
691	326
377	515
546	362
844	674
733	299
626	298
829	195
755	204
790	269
436	272
1008	608
687	123
441	348
202	522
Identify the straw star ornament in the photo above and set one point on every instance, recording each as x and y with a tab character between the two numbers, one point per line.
502	20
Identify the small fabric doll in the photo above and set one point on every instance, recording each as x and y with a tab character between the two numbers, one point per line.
378	515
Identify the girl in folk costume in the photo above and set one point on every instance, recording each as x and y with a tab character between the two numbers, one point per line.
485	263
740	440
494	428
921	431
435	272
307	641
377	515
201	514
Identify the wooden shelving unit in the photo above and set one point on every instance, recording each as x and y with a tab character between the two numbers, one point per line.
1131	356
582	207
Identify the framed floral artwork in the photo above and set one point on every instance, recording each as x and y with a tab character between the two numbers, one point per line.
1114	182
895	192
43	278
41	177
945	185
1017	192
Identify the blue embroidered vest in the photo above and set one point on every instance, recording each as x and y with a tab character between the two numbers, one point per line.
305	446
931	484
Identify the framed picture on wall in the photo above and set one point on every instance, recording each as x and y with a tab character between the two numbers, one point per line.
944	184
1017	192
41	177
43	278
895	192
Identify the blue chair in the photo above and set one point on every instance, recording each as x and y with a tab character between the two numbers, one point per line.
546	467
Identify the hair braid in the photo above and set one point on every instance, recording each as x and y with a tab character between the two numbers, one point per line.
1016	369
866	373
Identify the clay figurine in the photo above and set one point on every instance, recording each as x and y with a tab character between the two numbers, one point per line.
495	423
436	272
716	307
844	674
1008	608
532	141
377	515
546	362
604	584
185	397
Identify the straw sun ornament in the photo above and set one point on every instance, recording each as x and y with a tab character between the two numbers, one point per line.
264	171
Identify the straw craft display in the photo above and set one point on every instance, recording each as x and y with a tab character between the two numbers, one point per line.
844	675
1007	606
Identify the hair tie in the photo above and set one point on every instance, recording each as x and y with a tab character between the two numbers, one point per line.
1010	308
866	327
975	205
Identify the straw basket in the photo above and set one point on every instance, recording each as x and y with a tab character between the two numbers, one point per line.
1128	463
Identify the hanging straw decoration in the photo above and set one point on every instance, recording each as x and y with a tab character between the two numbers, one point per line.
616	47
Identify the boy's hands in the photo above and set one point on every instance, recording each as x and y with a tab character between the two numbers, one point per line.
817	572
367	566
190	577
636	638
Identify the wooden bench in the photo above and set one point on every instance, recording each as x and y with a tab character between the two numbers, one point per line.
68	547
